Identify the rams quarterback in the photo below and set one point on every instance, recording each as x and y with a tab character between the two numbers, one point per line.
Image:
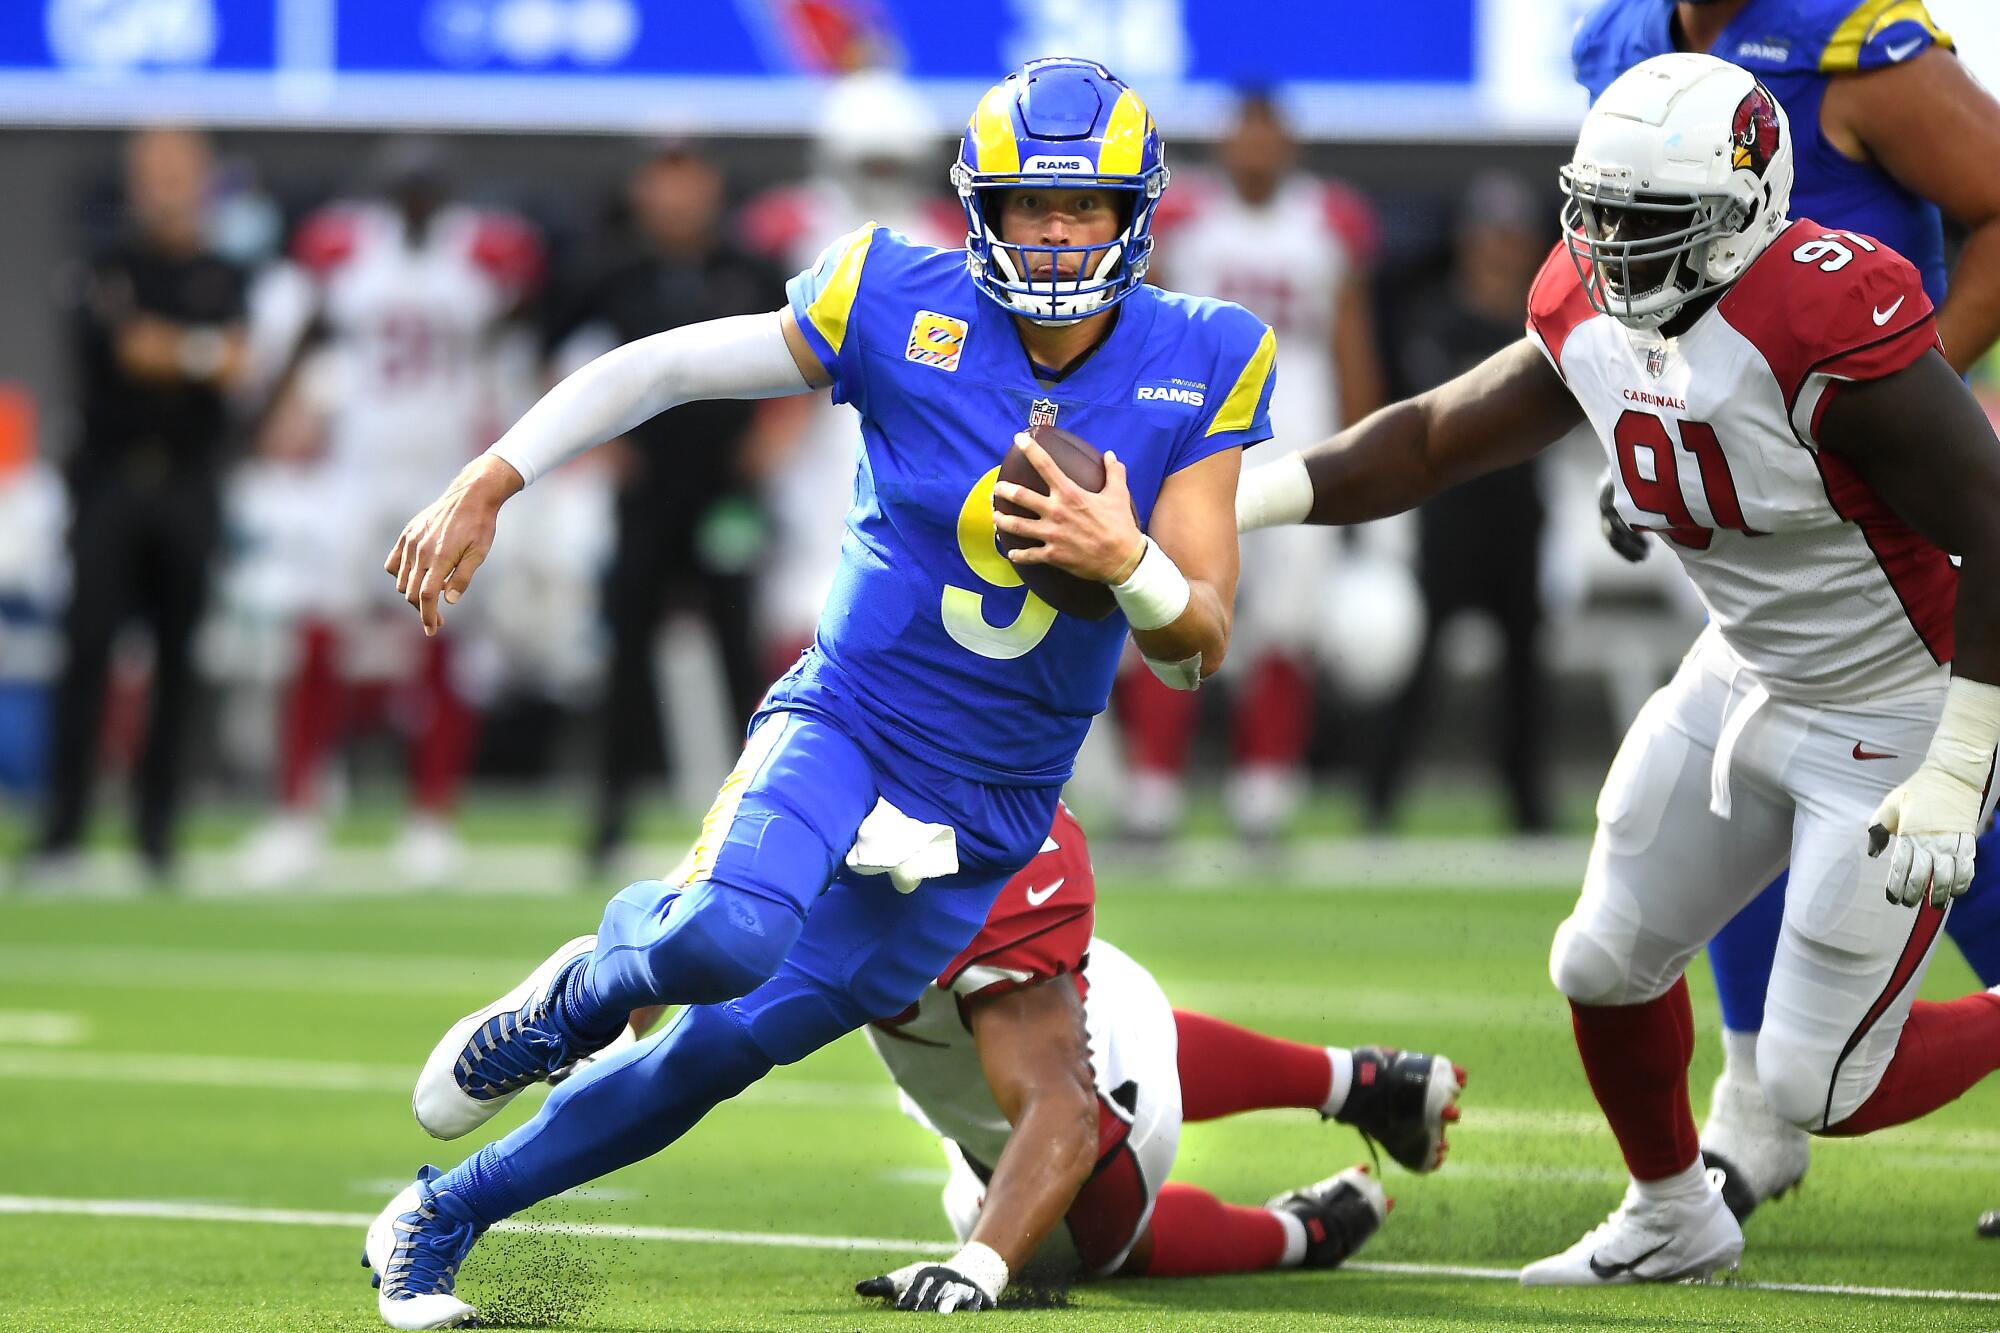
909	763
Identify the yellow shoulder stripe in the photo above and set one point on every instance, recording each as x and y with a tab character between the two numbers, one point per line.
830	309
1239	409
1843	49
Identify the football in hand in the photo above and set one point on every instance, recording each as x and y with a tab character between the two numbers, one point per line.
1084	465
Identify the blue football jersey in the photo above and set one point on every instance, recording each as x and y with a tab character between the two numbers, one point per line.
928	636
1794	47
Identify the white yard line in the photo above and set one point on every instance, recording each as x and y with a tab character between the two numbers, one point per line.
163	1211
35	1027
1312	864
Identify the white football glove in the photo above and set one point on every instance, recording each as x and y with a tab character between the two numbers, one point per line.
970	1280
1927	824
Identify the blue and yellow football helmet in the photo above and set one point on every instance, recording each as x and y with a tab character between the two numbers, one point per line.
1060	123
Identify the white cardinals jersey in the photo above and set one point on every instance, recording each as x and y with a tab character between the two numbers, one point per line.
1814	584
411	328
1284	260
1040	928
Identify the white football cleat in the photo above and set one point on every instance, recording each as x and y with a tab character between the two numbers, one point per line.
1646	1242
491	1054
1752	1155
288	850
414	1248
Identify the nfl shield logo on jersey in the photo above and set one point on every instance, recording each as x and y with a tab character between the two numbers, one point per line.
1042	412
1656	361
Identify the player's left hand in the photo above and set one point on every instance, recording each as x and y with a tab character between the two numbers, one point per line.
1927	826
1091	534
936	1288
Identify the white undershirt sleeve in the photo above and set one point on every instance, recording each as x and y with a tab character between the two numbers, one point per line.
744	356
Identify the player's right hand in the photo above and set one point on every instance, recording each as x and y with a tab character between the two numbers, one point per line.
441	548
1927	826
1630	543
934	1288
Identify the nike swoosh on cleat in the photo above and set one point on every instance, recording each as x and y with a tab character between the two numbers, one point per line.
1036	897
1884	316
1605	1272
1860	753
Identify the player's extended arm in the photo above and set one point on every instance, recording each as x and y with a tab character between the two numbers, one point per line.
1931	126
745	356
1176	586
1035	1052
1920	441
1504	410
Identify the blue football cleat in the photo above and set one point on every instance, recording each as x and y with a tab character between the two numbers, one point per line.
414	1248
491	1054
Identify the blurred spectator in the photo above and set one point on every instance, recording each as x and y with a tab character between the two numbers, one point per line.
33	581
388	391
689	526
1479	543
160	333
875	157
1292	249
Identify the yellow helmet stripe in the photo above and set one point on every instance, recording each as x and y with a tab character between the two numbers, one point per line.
829	310
1125	137
1239	409
1843	49
995	151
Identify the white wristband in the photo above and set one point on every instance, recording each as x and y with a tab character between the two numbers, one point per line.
1156	592
982	1266
1967	732
1277	493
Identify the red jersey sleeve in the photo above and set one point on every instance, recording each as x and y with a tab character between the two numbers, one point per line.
1350	216
1040	926
508	251
775	224
326	240
1557	303
1826	307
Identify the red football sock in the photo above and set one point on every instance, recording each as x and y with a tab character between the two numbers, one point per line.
1636	1057
312	716
446	730
1226	1069
1157	721
1195	1233
1274	713
1944	1050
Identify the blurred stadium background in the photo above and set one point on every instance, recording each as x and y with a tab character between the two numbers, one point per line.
581	142
582	171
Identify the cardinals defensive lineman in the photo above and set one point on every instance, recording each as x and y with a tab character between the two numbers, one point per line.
1775	405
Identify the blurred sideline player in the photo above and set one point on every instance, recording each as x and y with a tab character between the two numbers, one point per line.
875	156
1890	131
1058	1077
1294	250
402	301
902	772
1772	397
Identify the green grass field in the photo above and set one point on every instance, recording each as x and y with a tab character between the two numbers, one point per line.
250	1059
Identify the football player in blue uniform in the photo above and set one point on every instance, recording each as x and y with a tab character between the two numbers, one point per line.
909	763
1889	132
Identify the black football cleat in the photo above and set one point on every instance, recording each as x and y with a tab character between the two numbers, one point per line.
1403	1101
1340	1213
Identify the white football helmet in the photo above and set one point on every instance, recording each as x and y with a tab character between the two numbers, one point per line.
1682	175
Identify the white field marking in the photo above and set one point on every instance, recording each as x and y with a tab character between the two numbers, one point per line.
295	1217
227	1071
1316	864
223	1071
32	1027
931	1176
1371	1004
157	1210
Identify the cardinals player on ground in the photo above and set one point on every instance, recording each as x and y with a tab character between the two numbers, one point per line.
1775	405
1058	1077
